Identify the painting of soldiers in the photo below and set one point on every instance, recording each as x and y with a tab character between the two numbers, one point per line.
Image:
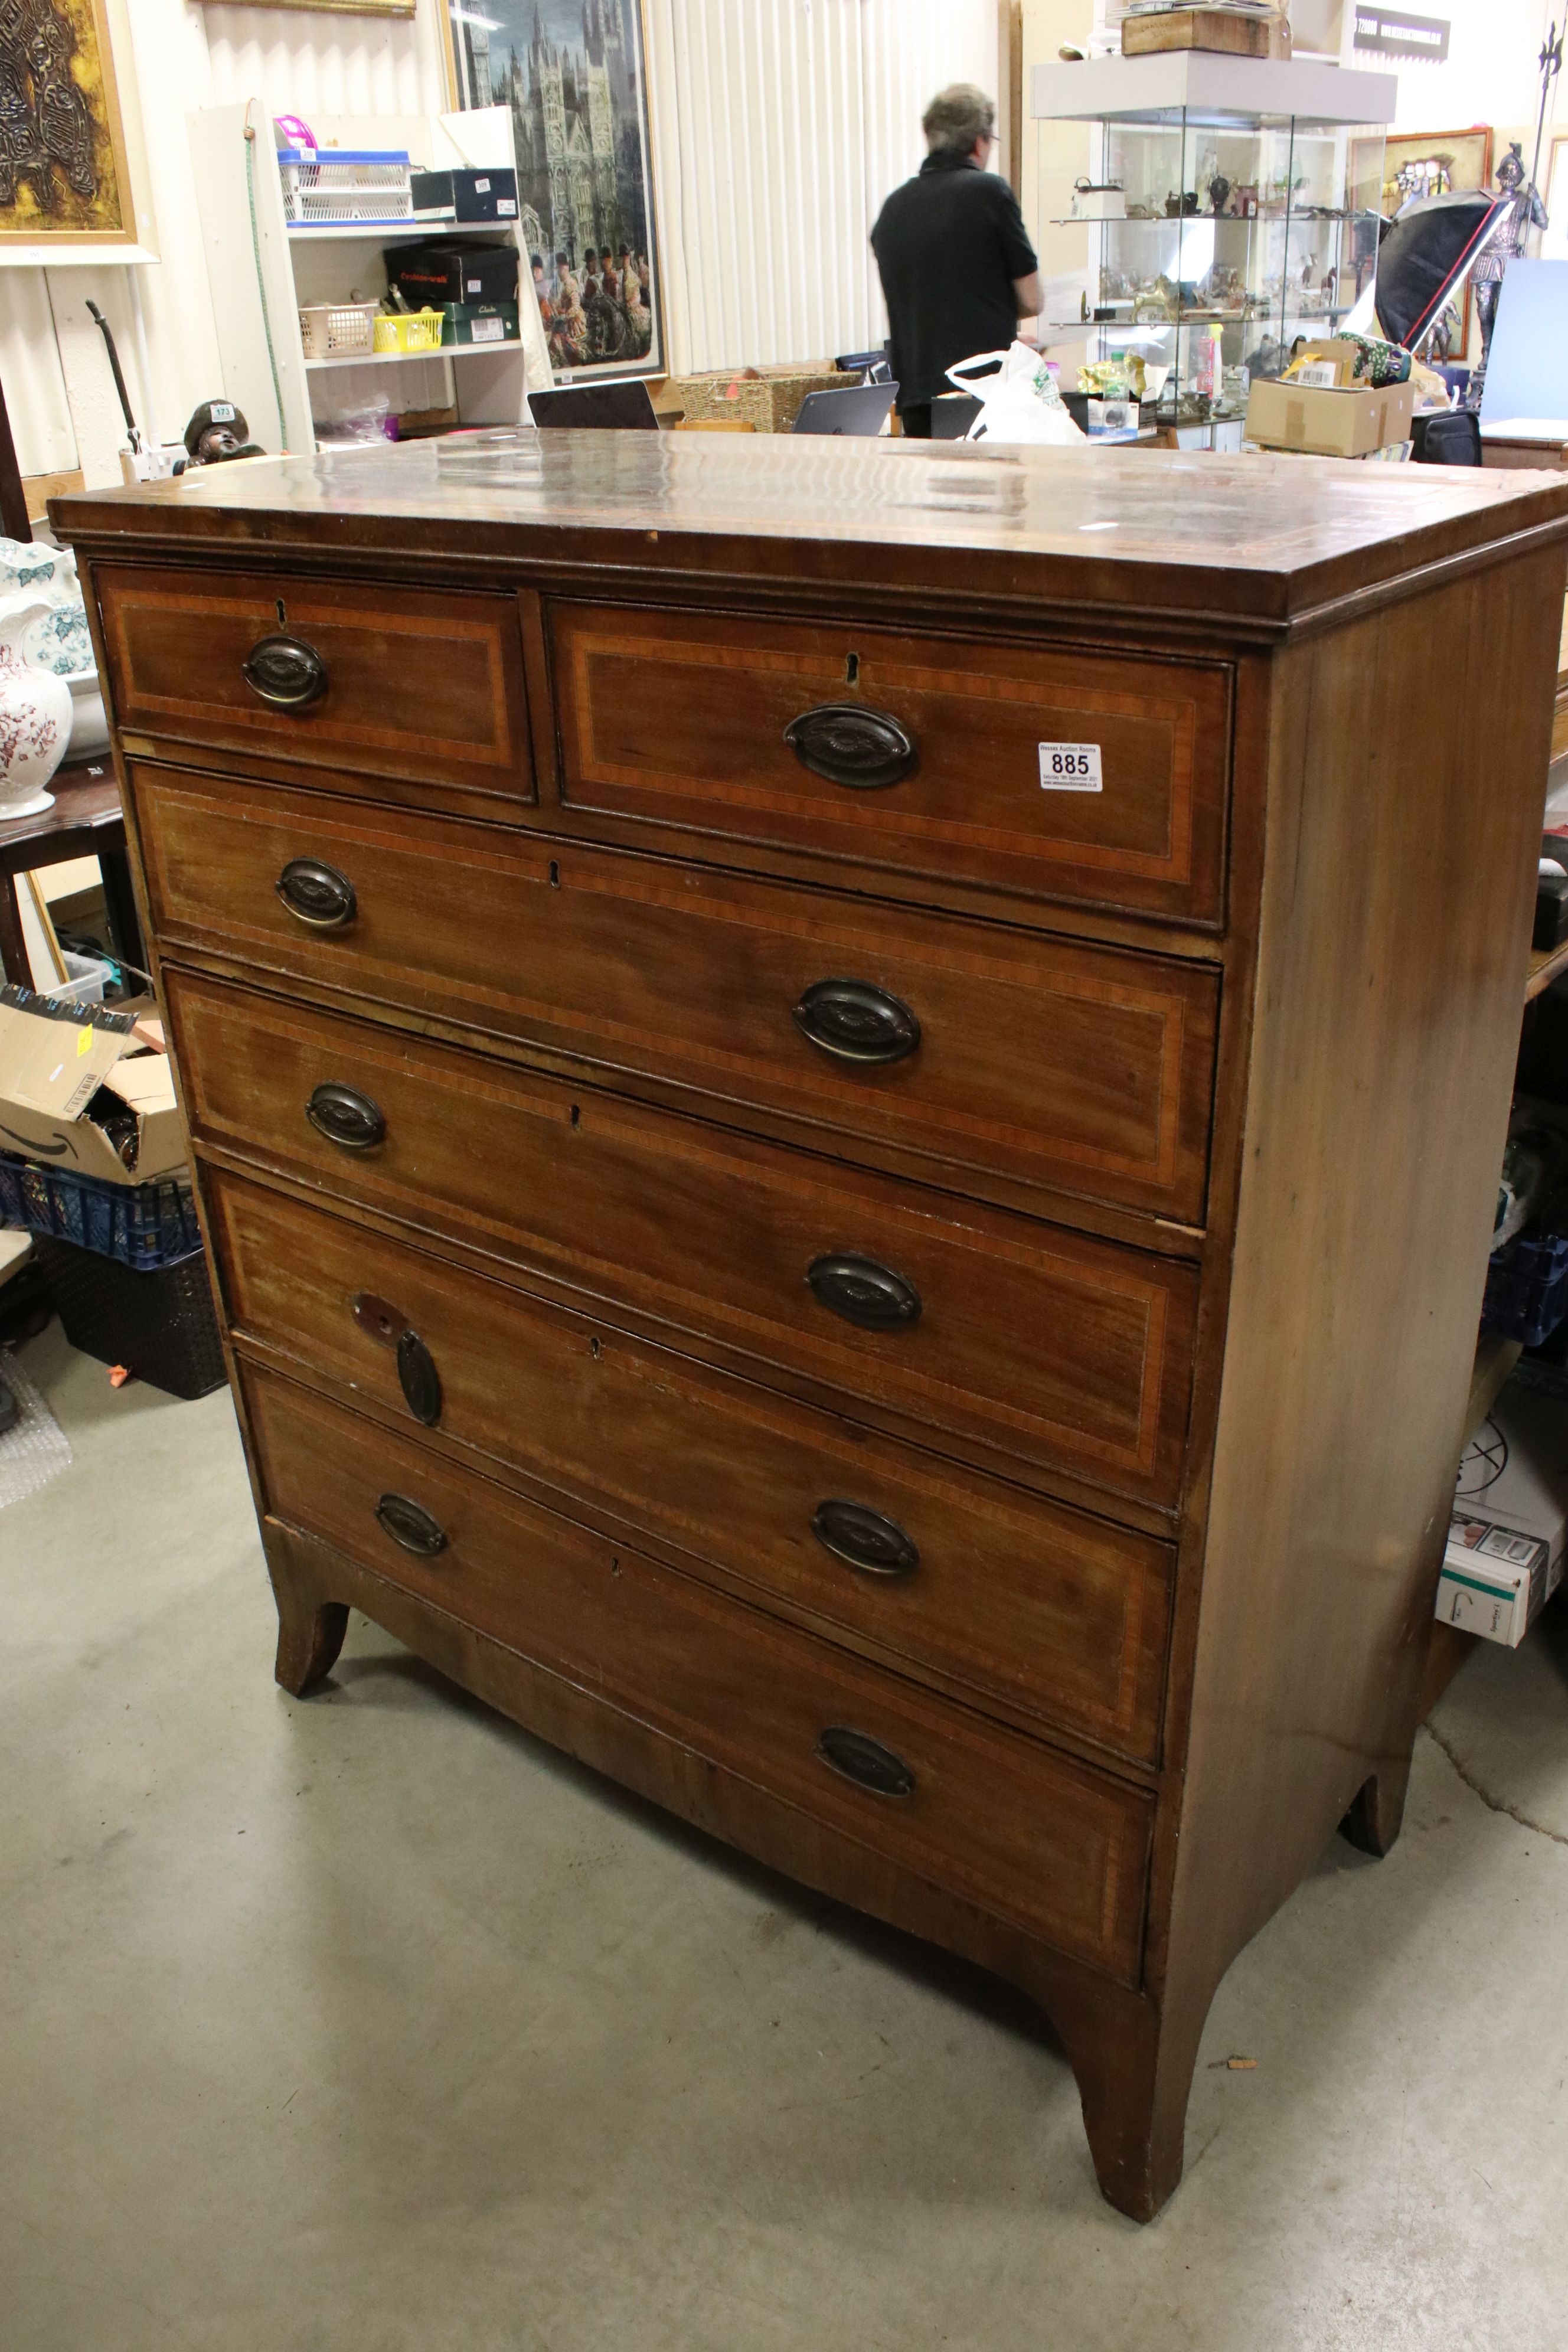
572	73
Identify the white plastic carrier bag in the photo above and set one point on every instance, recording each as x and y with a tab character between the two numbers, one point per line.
1020	400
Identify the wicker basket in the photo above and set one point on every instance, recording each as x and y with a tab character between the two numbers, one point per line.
337	330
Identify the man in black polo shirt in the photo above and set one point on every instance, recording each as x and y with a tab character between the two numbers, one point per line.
958	269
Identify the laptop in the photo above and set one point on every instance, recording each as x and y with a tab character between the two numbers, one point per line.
615	407
861	410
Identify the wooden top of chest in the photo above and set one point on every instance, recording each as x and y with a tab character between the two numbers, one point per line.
1256	542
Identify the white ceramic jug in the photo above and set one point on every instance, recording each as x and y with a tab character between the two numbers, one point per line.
34	714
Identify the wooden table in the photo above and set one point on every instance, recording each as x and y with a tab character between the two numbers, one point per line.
85	820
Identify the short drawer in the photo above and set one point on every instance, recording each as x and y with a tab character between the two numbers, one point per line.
979	1049
369	681
1066	1353
1061	1614
917	754
1023	1831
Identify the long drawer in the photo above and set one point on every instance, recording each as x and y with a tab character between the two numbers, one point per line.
372	681
980	1049
1063	1352
1055	773
1057	1612
1051	1844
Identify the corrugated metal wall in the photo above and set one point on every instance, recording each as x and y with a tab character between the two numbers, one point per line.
337	65
779	126
30	371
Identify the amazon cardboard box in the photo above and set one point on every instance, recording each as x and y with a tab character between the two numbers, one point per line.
93	1096
1329	421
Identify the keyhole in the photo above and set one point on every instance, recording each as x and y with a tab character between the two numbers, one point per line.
282	618
852	670
555	875
594	1350
577	1115
615	1568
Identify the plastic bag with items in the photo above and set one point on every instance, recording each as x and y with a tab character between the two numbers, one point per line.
1020	400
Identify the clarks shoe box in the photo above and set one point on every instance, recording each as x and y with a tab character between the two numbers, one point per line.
1505	1550
1328	421
61	1080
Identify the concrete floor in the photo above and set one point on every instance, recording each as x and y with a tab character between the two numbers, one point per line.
368	2022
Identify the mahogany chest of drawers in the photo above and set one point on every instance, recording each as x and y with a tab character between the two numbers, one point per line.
846	1101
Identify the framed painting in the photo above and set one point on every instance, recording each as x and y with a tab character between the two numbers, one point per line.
1554	196
339	8
64	178
571	74
1424	164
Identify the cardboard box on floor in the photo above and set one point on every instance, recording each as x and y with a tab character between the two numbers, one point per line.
1329	421
1504	1554
59	1081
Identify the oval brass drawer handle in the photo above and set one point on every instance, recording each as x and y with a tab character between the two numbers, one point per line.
856	1022
418	1378
865	1539
316	895
287	673
851	745
346	1117
409	1524
863	1292
416	1373
866	1761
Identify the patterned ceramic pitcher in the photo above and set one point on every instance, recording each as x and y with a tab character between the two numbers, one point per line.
34	714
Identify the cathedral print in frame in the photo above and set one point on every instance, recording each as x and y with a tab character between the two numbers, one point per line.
572	73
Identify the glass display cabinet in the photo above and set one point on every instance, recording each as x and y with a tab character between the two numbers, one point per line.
1208	212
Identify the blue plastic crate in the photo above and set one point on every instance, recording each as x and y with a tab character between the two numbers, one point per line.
143	1226
1526	1288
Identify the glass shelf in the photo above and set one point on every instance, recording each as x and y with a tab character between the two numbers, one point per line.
1212	296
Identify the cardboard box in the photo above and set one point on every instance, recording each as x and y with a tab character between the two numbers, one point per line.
479	322
1221	30
62	1080
770	399
1504	1556
1322	421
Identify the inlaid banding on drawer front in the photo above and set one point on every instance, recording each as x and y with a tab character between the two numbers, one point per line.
1064	1353
418	683
694	721
1013	1825
1034	1060
1064	1616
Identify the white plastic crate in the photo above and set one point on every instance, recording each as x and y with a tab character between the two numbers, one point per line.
345	184
337	330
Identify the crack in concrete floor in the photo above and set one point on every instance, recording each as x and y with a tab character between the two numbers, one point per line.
1476	1788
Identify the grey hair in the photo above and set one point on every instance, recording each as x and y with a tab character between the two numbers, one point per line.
956	118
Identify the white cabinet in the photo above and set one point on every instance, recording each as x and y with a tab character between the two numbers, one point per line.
261	271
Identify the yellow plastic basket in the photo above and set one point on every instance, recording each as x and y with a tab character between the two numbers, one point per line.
417	330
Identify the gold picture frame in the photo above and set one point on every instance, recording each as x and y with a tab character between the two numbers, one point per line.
1463	157
70	186
1554	196
335	7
